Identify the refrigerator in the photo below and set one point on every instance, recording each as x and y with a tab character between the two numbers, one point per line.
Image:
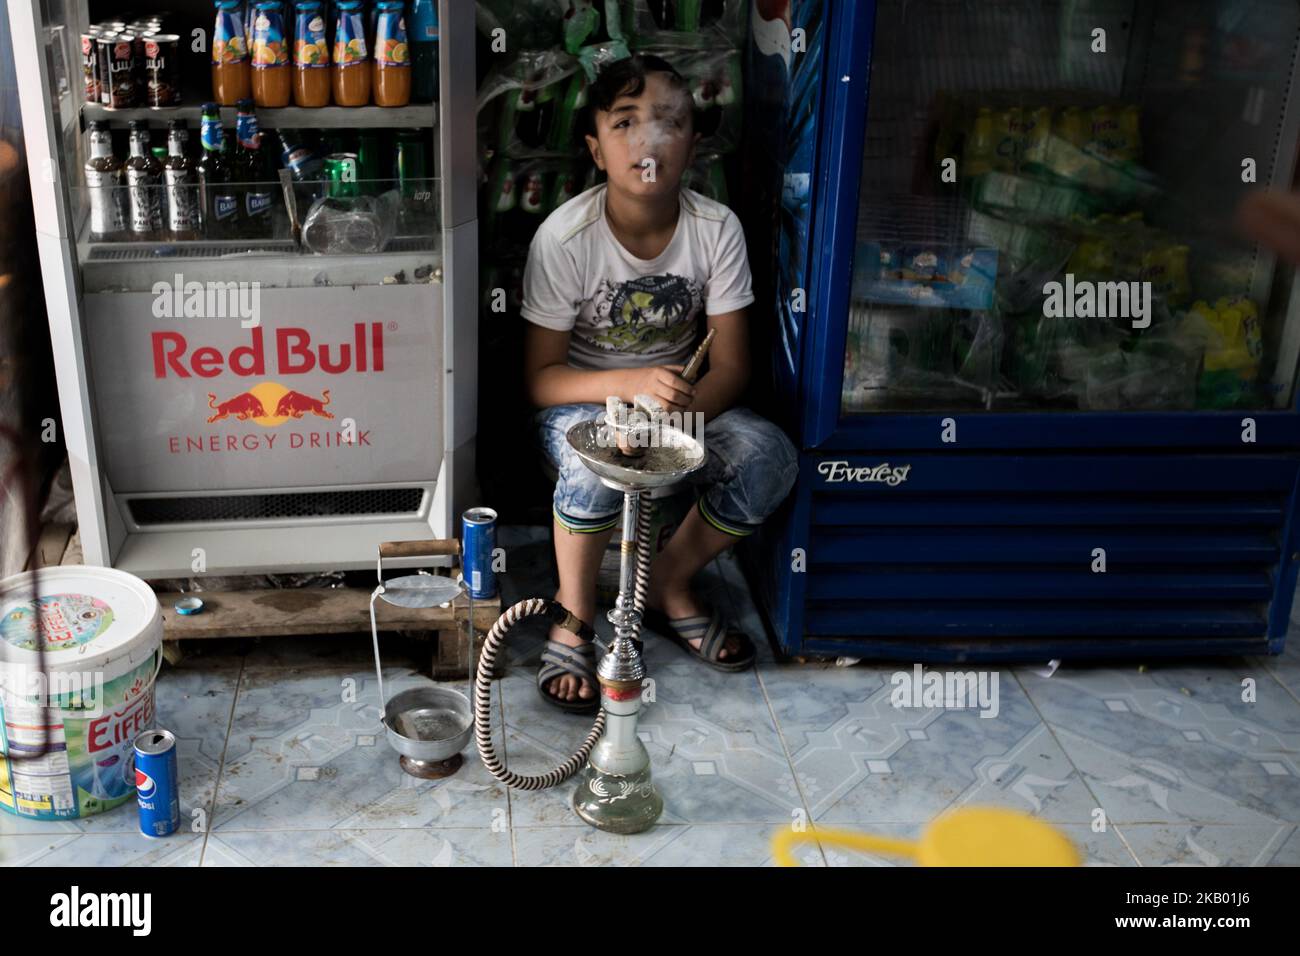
283	395
1042	386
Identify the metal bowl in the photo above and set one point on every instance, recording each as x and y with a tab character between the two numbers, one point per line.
429	723
676	455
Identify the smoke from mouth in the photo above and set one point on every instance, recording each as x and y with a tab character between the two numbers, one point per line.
667	124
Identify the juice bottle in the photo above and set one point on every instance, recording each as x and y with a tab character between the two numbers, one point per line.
271	84
392	64
424	51
311	56
351	67
230	80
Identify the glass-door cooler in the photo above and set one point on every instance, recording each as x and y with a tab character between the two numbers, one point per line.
1043	384
256	230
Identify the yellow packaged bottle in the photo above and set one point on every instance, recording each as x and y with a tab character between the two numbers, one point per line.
1037	133
1073	127
981	146
1130	135
1105	133
1010	123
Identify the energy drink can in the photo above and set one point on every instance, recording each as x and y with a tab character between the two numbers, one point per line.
157	783
478	541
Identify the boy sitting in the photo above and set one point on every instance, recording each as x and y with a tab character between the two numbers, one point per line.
615	284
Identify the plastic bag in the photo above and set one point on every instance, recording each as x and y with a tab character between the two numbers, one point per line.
704	23
351	225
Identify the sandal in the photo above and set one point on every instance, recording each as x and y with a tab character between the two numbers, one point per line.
713	629
560	659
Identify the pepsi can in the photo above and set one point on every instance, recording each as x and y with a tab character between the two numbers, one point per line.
157	784
478	541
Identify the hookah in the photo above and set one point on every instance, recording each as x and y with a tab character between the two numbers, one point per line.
633	452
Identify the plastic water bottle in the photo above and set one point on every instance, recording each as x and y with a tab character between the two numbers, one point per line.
423	37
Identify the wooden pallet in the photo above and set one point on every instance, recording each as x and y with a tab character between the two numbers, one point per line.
266	612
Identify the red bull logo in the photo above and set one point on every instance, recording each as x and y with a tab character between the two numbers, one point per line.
295	354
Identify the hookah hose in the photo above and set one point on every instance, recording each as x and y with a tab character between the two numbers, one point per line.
556	613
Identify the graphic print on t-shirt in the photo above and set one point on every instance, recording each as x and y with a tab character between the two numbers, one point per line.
647	315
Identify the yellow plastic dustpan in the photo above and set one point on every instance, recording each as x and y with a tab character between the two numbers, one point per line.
971	836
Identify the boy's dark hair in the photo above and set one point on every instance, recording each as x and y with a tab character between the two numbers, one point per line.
626	77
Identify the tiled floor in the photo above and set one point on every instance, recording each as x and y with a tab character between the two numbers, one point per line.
283	760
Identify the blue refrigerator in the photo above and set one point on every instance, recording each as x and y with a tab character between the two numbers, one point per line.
1042	388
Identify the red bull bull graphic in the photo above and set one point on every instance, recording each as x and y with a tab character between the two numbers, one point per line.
296	405
243	407
269	404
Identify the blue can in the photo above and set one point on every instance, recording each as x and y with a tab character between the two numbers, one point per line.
157	783
478	541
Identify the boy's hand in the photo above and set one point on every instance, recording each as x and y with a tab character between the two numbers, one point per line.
664	382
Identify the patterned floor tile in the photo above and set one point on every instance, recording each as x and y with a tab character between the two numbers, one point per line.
73	848
698	845
308	753
861	761
714	750
449	846
1213	845
1177	744
1096	849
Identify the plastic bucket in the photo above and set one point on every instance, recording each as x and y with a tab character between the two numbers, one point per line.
67	732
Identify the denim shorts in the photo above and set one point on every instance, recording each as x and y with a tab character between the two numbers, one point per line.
750	468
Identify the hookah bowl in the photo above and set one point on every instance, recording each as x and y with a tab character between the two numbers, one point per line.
615	791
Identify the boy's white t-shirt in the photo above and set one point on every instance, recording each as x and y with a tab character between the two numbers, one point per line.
626	312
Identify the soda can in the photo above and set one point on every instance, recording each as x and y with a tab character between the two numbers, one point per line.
157	783
478	541
340	173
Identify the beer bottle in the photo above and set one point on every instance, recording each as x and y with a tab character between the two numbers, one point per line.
181	193
218	201
104	178
254	173
144	184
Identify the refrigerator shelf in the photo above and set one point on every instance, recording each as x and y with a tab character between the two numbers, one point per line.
414	116
137	266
